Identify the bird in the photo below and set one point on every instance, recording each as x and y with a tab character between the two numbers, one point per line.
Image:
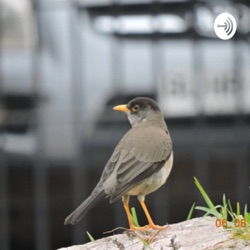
139	165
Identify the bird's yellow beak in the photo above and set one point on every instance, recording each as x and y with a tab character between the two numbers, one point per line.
122	108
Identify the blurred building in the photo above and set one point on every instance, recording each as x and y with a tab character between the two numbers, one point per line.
64	65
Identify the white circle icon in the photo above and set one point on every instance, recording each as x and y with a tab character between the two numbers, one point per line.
225	26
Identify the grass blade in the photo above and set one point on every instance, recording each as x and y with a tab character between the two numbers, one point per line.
224	200
207	199
206	209
238	209
230	207
91	238
203	193
224	212
134	217
245	209
247	217
191	212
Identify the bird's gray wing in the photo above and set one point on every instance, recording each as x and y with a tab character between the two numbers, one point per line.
142	152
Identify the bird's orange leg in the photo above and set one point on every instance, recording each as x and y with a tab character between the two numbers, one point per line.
150	221
125	200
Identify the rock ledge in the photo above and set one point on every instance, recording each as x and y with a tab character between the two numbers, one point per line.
195	234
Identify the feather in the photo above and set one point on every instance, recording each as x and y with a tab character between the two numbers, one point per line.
136	158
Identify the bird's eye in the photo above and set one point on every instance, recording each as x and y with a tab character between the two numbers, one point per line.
135	108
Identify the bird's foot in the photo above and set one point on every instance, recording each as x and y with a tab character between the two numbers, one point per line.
156	227
147	227
132	227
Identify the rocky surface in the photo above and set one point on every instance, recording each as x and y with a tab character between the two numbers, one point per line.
195	234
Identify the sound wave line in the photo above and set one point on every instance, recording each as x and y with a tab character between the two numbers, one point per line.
228	26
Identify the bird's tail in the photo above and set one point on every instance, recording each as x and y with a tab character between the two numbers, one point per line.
84	208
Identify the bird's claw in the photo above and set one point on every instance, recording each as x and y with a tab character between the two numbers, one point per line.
147	227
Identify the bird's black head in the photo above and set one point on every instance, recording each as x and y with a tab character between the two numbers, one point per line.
142	103
140	109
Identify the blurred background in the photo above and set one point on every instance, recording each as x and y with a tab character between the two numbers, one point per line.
64	64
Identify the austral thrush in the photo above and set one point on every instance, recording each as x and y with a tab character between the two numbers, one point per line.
139	165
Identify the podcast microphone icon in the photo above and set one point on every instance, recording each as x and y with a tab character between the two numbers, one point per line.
225	26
